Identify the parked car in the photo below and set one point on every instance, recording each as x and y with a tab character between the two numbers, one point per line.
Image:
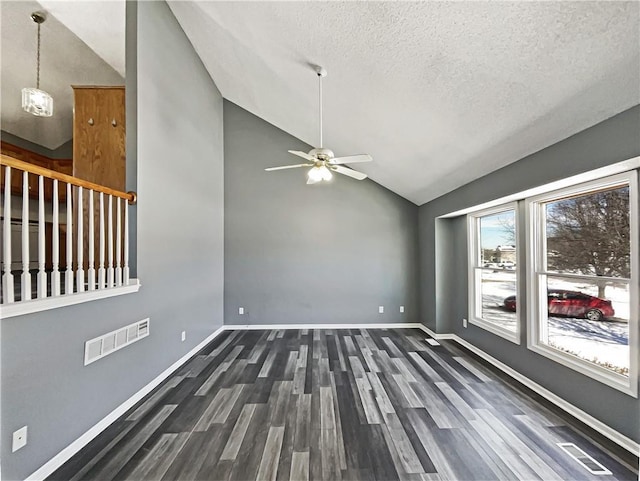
572	304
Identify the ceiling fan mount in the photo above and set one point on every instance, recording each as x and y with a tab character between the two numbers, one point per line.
322	154
321	160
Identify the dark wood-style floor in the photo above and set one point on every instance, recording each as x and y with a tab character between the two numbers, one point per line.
345	404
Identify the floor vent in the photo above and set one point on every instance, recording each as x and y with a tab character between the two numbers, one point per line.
107	343
590	464
433	342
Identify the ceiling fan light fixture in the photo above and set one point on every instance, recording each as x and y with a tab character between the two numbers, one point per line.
36	101
320	159
319	173
326	173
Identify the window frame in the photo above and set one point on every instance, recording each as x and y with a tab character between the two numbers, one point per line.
475	294
536	275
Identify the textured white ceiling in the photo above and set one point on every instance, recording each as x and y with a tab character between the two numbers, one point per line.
440	93
65	60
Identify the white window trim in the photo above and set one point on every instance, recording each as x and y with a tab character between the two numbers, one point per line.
618	167
535	252
473	236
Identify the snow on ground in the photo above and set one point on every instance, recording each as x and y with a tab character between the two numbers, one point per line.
595	341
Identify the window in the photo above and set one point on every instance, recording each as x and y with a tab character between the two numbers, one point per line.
583	271
493	274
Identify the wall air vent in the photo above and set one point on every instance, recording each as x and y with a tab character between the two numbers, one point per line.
100	346
587	462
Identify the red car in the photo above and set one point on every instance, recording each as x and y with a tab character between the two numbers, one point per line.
572	304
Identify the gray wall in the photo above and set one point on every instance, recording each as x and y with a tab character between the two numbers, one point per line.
65	151
444	262
297	253
180	262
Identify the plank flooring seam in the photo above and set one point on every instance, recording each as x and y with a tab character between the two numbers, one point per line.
336	404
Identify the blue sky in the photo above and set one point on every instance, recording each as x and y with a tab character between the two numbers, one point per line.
493	231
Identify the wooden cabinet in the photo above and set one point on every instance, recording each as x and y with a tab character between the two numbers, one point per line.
98	148
99	135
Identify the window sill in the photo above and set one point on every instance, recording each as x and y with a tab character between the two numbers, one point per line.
37	305
611	379
492	328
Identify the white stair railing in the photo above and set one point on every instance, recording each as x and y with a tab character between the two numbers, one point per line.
55	249
7	276
25	286
42	275
45	242
101	272
68	275
91	271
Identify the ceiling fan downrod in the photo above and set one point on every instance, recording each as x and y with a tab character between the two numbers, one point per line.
321	161
321	71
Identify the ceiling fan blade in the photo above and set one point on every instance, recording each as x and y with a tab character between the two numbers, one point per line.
349	172
288	167
351	159
304	155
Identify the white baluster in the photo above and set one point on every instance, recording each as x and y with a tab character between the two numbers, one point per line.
55	249
110	244
80	269
25	294
125	271
101	272
7	276
118	243
42	275
91	272
68	275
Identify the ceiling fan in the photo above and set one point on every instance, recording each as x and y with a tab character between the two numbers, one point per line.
321	160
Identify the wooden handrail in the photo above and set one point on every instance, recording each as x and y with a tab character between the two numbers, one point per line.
130	197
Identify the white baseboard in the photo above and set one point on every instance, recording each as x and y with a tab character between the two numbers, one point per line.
610	433
259	327
59	459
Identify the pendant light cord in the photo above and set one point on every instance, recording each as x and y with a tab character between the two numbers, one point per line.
320	102
38	61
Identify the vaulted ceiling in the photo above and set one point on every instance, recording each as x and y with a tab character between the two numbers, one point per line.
440	93
66	60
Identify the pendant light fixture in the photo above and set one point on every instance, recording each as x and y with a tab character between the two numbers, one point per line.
36	101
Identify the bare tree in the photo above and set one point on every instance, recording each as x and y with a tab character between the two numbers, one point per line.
508	227
590	234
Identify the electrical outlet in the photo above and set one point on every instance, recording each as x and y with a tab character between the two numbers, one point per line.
401	308
464	323
184	336
241	310
381	309
19	439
